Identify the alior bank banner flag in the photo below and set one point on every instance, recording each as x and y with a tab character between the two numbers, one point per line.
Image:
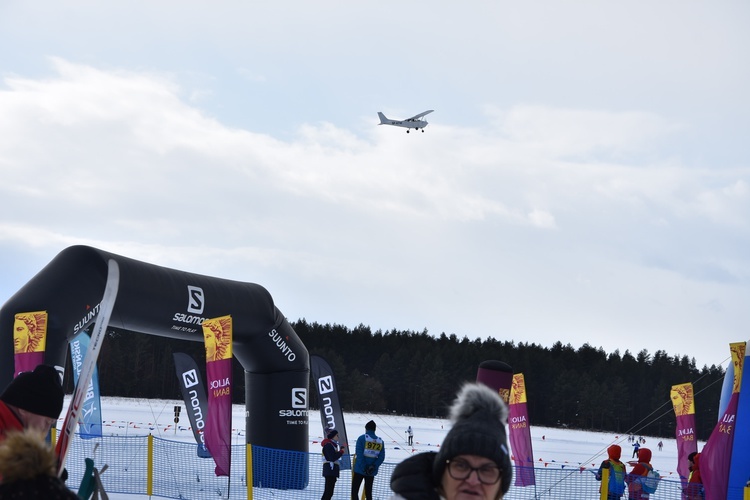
716	457
520	433
683	401
217	334
29	340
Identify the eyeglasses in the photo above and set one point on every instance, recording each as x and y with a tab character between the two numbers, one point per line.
487	474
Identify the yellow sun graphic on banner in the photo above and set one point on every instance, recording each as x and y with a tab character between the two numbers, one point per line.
683	399
217	333
517	390
738	358
30	332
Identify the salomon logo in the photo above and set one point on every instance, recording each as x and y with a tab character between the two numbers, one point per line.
299	397
195	300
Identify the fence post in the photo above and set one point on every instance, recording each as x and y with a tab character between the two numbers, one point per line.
604	489
150	466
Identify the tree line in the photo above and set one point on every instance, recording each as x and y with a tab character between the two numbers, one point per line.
418	374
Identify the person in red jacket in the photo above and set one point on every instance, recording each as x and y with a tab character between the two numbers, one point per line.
694	489
640	469
32	400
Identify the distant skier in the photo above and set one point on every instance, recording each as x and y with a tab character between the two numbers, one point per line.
410	435
636	447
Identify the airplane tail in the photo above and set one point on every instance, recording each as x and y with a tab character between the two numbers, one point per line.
383	119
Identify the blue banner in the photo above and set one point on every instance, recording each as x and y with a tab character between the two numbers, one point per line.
90	421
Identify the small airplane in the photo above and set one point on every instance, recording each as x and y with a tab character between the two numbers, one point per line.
413	122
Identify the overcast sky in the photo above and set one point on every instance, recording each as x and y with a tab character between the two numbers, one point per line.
585	176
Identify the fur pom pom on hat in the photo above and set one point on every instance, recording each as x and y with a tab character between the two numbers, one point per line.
38	392
479	417
28	468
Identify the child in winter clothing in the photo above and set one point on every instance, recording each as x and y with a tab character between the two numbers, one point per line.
332	451
694	489
635	487
616	484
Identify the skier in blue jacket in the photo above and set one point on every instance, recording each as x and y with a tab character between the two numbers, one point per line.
370	453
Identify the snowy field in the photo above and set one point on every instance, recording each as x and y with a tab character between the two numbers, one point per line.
552	447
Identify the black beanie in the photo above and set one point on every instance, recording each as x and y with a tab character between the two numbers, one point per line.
370	426
38	392
479	417
332	433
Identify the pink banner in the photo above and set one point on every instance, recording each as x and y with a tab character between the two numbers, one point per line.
520	433
686	444
29	340
717	454
217	333
683	401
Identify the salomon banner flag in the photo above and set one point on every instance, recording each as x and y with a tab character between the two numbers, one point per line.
90	421
683	401
29	340
331	416
716	457
217	334
194	395
520	433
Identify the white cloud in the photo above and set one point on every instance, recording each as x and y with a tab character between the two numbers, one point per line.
584	174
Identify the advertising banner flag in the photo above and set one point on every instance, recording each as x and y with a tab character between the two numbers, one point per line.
331	415
716	457
497	375
90	421
217	334
194	395
520	433
683	401
29	340
739	470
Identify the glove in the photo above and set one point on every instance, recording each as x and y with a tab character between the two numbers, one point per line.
370	470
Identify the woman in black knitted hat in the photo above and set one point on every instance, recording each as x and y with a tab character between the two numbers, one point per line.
473	461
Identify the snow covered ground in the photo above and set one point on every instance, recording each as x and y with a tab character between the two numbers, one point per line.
553	447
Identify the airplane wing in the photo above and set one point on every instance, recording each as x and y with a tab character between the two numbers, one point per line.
420	115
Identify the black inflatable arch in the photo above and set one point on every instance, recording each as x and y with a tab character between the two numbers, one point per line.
159	301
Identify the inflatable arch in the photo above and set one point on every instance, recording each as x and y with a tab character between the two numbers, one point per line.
159	301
